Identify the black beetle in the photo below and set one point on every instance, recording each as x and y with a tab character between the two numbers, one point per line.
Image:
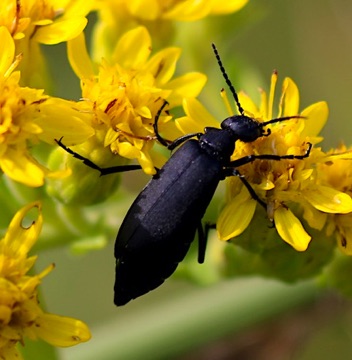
162	222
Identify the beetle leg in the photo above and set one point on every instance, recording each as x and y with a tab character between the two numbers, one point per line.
235	172
170	144
202	243
91	164
203	239
161	140
232	171
250	158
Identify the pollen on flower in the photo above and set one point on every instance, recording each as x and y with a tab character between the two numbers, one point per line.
31	23
335	171
20	313
289	184
19	108
124	97
288	187
24	118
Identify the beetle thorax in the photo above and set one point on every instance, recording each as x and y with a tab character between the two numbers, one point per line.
218	143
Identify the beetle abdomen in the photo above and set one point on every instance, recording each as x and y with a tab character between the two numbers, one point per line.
161	223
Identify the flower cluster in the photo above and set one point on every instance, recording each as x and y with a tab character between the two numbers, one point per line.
129	76
24	120
301	195
285	183
20	313
117	17
124	97
124	82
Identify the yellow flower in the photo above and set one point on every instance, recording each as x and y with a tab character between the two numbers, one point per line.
124	98
336	171
121	100
49	22
20	313
118	16
189	10
27	116
286	186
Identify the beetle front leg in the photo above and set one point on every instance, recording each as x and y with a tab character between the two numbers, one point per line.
250	158
170	144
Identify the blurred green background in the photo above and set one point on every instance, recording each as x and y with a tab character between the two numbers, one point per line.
308	40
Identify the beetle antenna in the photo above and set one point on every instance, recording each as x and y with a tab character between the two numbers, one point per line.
227	80
284	118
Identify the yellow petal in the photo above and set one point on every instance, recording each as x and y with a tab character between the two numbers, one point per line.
60	31
20	167
316	219
133	48
273	82
290	102
235	217
147	10
266	184
144	111
77	8
305	174
127	150
290	229
197	117
185	86
7	50
229	6
346	155
110	136
227	103
248	104
42	22
79	58
19	238
146	162
61	331
189	10
162	65
316	116
329	200
59	118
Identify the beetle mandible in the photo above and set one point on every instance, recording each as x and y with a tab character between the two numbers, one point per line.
162	222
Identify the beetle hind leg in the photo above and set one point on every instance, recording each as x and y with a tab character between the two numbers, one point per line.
203	239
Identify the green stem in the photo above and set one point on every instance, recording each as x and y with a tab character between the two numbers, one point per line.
181	324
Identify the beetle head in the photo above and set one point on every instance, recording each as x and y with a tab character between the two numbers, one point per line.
248	129
243	128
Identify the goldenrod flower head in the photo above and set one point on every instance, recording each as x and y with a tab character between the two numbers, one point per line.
284	185
152	10
118	16
20	313
46	21
124	98
27	116
335	171
31	23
